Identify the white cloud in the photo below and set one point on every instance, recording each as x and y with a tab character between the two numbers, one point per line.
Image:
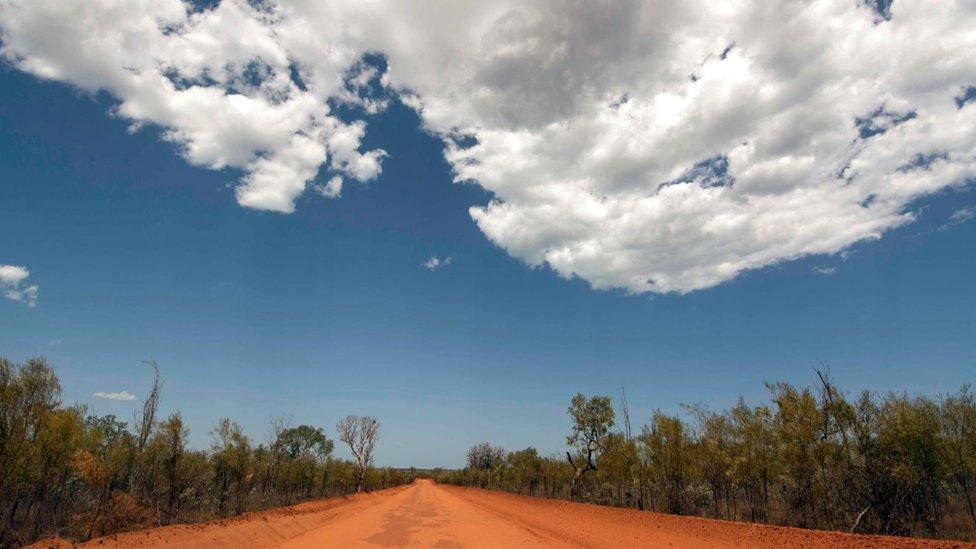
436	263
962	215
217	82
122	395
12	287
332	189
958	217
650	146
825	270
13	275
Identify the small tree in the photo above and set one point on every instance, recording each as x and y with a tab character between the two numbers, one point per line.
303	449
957	446
232	452
173	434
484	456
668	449
592	421
144	426
360	434
527	467
305	440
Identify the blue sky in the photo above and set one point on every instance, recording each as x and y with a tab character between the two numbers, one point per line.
330	310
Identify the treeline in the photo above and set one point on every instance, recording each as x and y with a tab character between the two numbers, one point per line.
813	457
65	472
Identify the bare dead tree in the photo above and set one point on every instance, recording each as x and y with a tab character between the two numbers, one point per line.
829	393
149	406
360	433
145	423
279	424
635	491
833	404
587	465
625	412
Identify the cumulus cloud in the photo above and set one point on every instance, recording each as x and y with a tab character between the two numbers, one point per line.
12	285
122	395
332	189
217	82
435	262
649	145
825	270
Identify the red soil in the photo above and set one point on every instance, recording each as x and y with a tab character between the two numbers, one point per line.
426	514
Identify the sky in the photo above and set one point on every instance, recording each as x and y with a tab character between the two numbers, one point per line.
454	219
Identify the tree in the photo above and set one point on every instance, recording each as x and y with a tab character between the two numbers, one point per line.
619	472
798	428
232	453
361	435
715	455
105	464
173	435
958	442
305	440
65	472
29	394
592	421
907	452
484	456
895	464
527	466
145	425
302	450
754	466
667	447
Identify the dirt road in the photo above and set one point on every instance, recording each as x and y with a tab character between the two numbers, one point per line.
426	514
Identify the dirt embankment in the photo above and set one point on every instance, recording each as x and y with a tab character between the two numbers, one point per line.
426	514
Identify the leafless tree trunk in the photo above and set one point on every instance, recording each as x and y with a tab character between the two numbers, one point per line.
636	489
269	483
145	424
149	406
625	412
361	435
588	465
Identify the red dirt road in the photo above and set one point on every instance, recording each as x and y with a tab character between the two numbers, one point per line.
425	514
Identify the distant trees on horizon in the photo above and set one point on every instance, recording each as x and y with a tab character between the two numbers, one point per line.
65	472
812	457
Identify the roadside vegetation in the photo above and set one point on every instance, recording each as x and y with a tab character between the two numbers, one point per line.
811	457
65	472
